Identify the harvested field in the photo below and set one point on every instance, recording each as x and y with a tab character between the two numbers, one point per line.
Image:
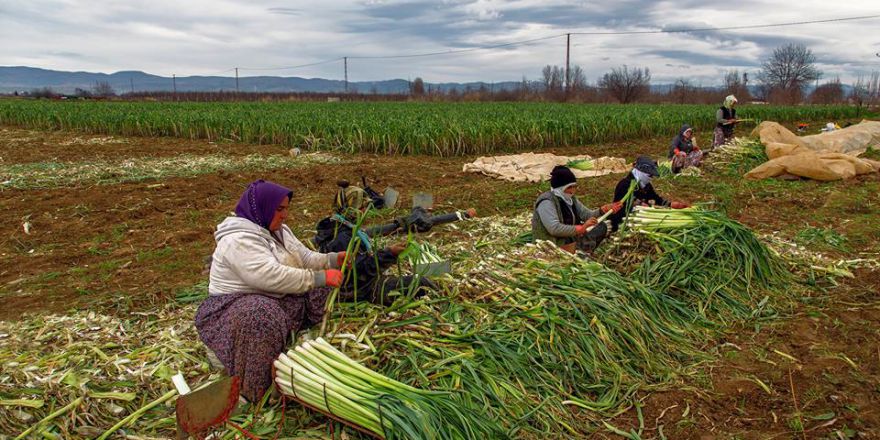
95	263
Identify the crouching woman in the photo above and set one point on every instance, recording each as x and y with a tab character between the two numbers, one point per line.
264	284
561	218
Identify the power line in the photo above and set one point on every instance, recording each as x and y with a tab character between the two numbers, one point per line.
293	67
728	28
550	37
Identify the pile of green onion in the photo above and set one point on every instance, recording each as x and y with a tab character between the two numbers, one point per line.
321	376
714	262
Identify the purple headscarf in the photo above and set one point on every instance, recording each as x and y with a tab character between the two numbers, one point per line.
260	200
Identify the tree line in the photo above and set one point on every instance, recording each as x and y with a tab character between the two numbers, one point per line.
784	78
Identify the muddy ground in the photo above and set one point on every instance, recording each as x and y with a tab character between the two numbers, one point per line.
126	246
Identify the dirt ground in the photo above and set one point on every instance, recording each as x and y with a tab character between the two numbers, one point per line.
127	246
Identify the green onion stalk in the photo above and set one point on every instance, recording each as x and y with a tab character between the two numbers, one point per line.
712	262
537	327
321	376
350	257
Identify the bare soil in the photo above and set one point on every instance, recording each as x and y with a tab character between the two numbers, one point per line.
128	246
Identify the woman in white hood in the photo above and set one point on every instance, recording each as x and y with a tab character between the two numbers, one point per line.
264	284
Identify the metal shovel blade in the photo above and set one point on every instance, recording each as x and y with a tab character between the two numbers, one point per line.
391	196
423	200
207	408
433	269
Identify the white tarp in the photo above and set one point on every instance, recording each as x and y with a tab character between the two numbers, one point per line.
536	167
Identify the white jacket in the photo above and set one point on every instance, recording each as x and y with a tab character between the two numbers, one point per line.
248	259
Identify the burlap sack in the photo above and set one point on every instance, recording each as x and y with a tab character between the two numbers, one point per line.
827	156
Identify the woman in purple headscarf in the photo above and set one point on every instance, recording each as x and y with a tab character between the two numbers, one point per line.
264	283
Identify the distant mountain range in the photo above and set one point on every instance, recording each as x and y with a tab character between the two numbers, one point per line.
23	79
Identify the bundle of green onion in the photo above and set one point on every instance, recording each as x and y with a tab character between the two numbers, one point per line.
741	154
716	262
664	168
581	164
423	253
321	376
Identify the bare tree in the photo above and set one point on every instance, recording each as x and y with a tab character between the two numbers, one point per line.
417	88
866	91
683	91
103	89
554	78
626	85
735	84
578	79
829	93
788	70
82	93
45	92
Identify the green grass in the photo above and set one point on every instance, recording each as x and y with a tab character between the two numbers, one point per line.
444	129
872	153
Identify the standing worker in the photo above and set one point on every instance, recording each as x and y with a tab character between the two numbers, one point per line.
725	120
561	218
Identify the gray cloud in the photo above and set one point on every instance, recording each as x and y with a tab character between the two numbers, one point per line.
700	58
207	36
285	11
64	54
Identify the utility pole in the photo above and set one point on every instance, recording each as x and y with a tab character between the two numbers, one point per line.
567	62
174	84
345	66
236	80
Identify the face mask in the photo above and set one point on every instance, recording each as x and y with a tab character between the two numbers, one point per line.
643	178
560	192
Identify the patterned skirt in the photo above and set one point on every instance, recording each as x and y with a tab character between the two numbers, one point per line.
248	331
720	137
692	159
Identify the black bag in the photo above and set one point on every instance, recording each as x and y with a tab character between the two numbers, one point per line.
377	199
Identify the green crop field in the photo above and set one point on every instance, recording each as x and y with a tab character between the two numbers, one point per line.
443	129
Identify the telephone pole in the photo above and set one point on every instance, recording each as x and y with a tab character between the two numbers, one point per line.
567	63
236	80
174	84
345	66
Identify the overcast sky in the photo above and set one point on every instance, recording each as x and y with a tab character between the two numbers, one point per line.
200	37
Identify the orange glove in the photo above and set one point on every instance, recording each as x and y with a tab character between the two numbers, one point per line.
396	249
679	205
333	278
616	207
580	229
591	222
340	258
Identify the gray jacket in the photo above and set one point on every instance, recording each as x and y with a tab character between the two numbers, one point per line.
547	222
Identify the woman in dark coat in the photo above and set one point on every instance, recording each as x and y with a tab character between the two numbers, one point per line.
683	150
